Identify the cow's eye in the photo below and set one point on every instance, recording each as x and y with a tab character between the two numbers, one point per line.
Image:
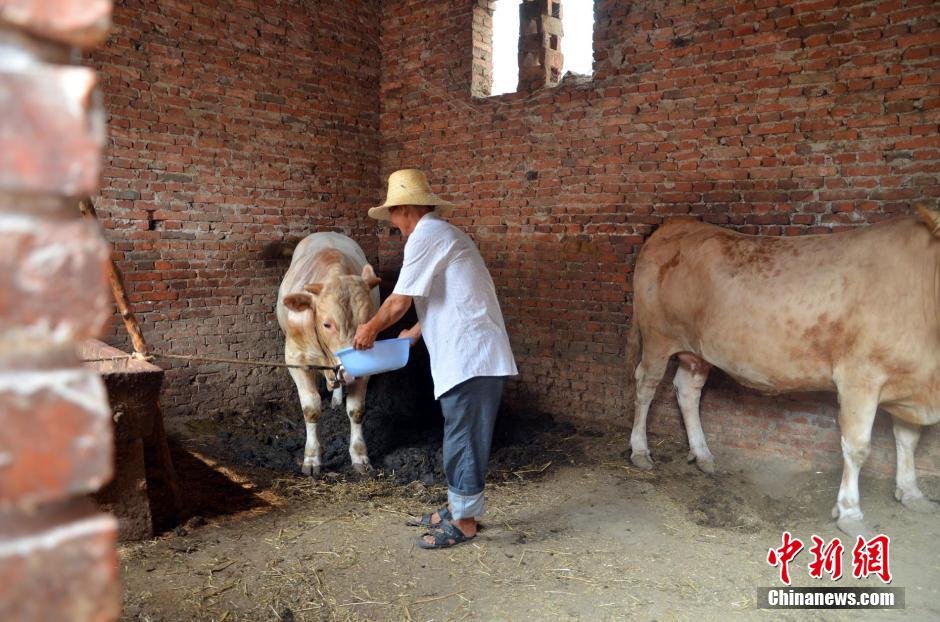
327	325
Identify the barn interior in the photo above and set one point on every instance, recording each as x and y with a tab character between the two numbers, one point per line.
236	128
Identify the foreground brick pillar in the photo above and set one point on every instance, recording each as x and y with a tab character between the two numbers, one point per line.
57	553
540	31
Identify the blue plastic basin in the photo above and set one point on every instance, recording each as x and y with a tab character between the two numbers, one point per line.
385	355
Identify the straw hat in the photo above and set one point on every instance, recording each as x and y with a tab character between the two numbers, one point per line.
409	186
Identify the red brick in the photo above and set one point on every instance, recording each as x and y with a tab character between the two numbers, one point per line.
59	563
52	277
53	131
55	435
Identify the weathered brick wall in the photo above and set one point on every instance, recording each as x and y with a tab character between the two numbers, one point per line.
235	124
232	124
781	118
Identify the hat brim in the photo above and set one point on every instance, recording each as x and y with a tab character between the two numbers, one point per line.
442	207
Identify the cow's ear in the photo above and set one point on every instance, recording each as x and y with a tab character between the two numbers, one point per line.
299	302
368	275
314	288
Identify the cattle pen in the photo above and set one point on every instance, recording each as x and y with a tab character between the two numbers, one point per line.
742	198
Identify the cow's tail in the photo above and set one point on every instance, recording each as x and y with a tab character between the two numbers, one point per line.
279	249
634	355
930	218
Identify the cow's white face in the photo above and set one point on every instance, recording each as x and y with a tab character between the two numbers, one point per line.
342	304
326	315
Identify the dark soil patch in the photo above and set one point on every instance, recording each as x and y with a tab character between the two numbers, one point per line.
718	507
415	464
275	442
403	430
722	500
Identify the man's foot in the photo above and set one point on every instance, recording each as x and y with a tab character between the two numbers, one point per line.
430	520
448	534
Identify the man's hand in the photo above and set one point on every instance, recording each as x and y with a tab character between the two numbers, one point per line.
365	336
413	333
390	312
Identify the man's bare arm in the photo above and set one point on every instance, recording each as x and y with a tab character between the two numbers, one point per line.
390	312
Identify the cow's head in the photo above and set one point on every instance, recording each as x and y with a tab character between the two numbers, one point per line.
327	314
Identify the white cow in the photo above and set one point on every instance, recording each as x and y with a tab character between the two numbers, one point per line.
329	290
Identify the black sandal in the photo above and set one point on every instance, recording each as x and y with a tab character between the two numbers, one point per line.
446	535
425	520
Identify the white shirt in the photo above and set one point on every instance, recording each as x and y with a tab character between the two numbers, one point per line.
456	303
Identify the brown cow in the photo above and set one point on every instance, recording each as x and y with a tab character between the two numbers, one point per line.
326	293
857	313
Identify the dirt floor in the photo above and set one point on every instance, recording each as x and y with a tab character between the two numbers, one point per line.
573	532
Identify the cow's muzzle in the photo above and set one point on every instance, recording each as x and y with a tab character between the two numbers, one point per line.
340	378
344	376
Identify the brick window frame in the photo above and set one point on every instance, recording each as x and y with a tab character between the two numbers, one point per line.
539	51
481	77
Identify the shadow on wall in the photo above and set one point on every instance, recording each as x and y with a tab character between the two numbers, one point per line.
803	427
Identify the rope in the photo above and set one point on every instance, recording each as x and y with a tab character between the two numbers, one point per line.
211	359
329	353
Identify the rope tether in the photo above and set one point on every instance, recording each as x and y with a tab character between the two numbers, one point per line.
210	359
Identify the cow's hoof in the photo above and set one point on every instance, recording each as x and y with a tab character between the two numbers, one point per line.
362	468
706	465
854	527
313	470
641	460
920	504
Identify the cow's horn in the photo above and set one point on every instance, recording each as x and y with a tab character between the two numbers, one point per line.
930	218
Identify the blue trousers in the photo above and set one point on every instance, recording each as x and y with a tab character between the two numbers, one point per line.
470	411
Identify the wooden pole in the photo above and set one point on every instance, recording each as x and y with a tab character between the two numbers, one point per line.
141	350
156	442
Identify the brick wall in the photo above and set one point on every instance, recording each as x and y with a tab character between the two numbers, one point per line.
232	125
780	118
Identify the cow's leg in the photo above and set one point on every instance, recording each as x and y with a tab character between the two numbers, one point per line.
648	375
689	380
857	407
356	409
907	492
337	397
310	403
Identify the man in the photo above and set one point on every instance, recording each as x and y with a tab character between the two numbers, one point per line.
460	320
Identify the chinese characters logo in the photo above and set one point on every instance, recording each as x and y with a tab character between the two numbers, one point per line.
869	557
